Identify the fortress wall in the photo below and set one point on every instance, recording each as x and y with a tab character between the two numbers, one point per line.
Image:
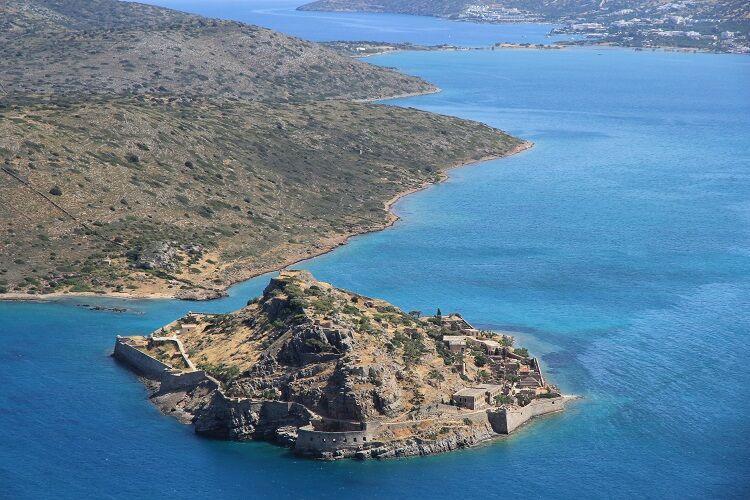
475	418
180	348
505	421
148	366
310	440
280	413
175	380
139	360
335	425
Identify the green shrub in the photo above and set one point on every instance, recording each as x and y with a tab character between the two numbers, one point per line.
522	351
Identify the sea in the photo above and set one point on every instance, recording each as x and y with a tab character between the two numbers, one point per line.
617	249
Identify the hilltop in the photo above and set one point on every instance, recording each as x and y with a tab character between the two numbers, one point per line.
335	374
50	51
148	152
716	25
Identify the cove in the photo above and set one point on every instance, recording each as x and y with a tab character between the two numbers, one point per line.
619	248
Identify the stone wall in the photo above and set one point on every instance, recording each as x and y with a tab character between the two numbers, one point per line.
310	441
150	367
174	380
505	421
180	348
140	361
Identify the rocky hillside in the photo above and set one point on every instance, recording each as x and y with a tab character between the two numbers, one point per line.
341	355
150	152
22	17
154	194
67	51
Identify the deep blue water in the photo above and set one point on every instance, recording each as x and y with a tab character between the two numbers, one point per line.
619	247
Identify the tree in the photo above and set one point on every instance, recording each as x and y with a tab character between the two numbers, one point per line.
502	399
438	314
523	399
522	351
480	359
418	398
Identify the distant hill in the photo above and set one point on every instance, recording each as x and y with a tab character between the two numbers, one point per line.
24	16
723	10
149	152
59	47
721	25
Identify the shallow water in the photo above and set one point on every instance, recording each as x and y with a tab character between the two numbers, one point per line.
618	248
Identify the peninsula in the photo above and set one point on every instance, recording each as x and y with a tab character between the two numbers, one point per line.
705	25
333	374
146	152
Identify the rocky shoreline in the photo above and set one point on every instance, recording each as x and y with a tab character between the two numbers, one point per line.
203	405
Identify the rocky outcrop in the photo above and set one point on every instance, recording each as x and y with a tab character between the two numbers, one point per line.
386	395
159	255
215	415
310	343
457	439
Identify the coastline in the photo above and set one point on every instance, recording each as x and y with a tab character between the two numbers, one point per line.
666	48
488	48
433	90
328	246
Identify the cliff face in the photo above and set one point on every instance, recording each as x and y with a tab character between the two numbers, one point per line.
335	374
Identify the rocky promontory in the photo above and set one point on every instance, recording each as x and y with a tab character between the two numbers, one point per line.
334	374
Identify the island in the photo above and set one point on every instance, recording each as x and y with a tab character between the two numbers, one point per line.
333	374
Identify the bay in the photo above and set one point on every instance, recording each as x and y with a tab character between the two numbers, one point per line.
618	248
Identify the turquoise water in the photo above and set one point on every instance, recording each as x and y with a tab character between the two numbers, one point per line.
619	248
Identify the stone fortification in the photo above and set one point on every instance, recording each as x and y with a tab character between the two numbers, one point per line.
342	443
138	360
507	420
332	374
